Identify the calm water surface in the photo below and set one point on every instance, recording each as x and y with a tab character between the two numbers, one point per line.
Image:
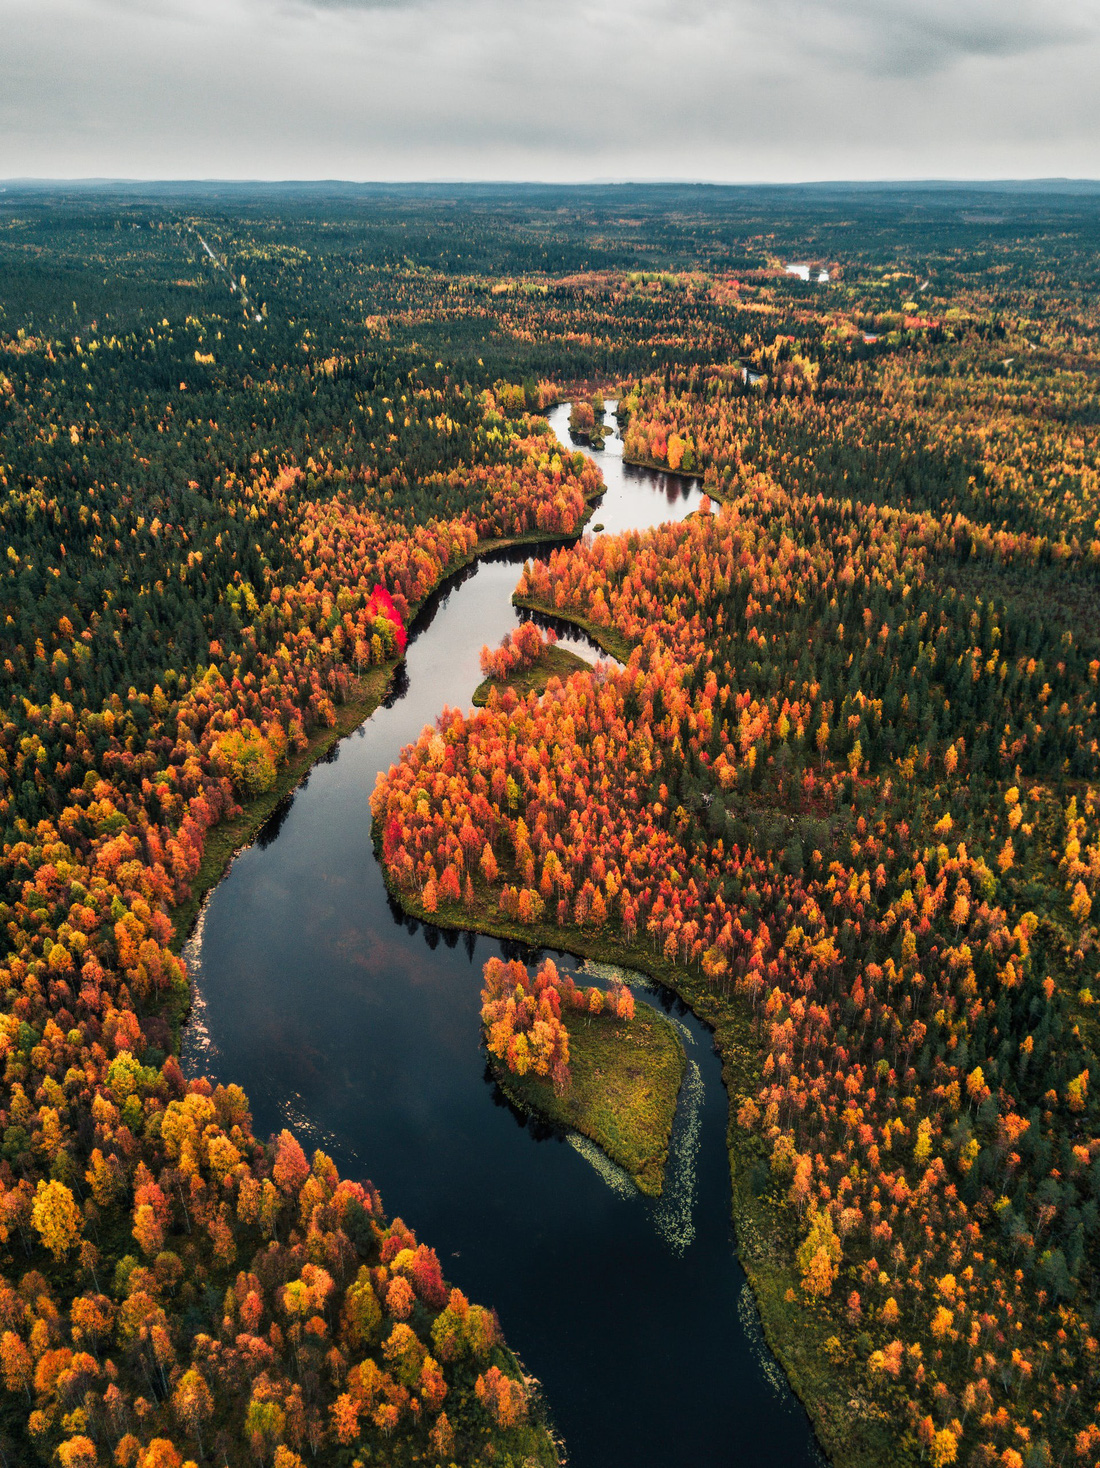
360	1029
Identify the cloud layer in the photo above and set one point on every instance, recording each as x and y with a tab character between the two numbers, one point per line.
561	89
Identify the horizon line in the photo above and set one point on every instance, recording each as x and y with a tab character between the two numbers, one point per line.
605	181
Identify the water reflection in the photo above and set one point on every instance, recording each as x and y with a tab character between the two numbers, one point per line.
270	829
537	1128
677	489
399	686
569	635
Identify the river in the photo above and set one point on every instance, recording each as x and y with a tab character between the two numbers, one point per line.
359	1028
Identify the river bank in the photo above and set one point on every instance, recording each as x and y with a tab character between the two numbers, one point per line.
611	641
555	662
659	468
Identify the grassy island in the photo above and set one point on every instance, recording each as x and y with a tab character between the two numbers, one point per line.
626	1078
556	662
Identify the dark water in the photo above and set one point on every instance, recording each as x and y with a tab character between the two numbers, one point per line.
360	1029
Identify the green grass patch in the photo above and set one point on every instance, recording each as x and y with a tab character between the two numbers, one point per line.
626	1078
556	662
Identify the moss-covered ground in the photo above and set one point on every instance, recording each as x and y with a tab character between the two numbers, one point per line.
626	1078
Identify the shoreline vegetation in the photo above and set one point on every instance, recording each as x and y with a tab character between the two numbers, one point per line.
235	834
640	461
625	1086
662	468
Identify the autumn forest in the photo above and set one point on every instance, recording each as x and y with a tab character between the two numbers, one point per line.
817	763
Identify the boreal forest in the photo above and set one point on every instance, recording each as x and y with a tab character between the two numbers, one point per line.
835	785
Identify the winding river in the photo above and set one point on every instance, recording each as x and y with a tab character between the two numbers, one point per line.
359	1028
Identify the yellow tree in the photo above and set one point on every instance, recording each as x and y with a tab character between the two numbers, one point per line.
192	1404
78	1452
944	1448
56	1217
819	1255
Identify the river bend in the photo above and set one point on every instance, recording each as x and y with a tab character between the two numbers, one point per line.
359	1028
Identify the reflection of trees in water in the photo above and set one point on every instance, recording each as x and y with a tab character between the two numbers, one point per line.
563	627
506	948
538	1127
433	935
269	831
430	609
536	550
674	487
400	916
399	686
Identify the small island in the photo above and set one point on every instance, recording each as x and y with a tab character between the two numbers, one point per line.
586	1059
525	661
586	421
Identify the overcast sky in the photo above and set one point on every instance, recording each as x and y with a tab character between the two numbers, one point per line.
729	90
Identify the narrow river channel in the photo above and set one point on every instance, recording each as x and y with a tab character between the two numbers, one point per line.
359	1028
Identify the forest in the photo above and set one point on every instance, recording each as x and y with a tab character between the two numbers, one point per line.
842	795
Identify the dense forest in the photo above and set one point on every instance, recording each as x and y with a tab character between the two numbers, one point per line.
843	795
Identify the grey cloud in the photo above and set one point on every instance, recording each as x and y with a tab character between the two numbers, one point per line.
914	38
741	89
358	4
908	39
